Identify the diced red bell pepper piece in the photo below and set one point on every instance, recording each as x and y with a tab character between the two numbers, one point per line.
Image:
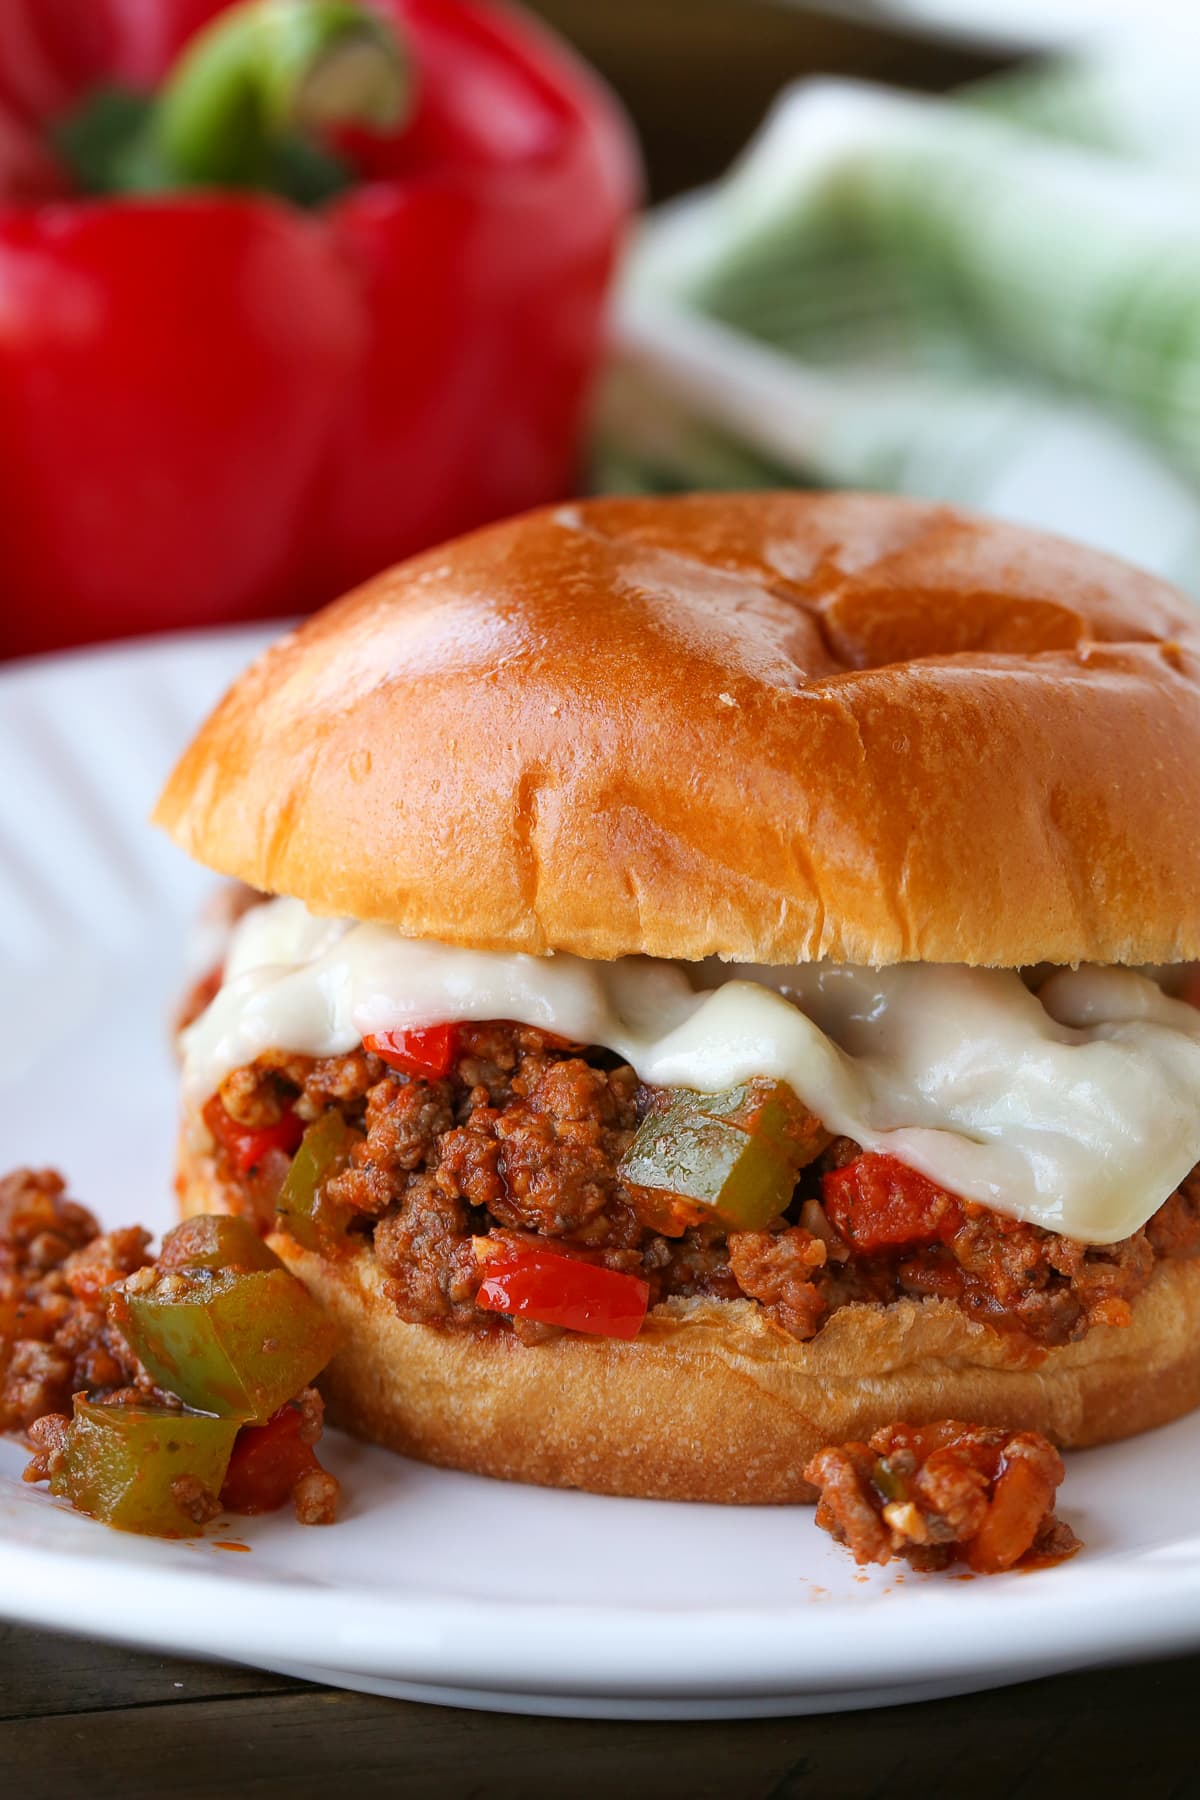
429	1052
879	1203
248	1145
560	1290
267	1462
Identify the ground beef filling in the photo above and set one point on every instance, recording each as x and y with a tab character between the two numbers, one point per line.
525	1133
55	1339
941	1493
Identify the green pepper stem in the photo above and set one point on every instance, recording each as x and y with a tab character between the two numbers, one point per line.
269	69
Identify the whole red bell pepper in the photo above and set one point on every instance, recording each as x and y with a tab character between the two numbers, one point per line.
216	403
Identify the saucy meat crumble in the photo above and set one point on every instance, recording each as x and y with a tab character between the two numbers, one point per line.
937	1494
523	1138
143	1396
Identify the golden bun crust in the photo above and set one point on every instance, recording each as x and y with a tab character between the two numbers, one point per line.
711	1401
770	727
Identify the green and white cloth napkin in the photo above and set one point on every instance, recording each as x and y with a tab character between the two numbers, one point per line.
992	299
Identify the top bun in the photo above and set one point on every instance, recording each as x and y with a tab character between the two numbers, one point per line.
771	727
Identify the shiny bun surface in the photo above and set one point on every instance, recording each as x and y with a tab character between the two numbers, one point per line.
774	727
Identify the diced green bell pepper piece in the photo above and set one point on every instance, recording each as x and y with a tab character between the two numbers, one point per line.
120	1462
237	1345
216	1241
303	1208
765	1109
737	1152
888	1481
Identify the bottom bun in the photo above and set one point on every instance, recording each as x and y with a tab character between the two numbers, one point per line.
713	1402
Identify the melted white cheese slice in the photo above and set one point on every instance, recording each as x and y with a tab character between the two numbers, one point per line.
1076	1108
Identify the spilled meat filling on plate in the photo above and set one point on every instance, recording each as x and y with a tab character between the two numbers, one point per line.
157	1392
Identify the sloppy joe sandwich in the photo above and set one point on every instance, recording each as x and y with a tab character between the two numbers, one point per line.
714	977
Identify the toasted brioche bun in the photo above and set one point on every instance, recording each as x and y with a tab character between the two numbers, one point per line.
711	1401
767	727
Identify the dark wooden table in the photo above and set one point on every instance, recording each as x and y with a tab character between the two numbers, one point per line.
79	1718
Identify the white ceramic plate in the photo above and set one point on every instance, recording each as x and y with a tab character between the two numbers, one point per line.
440	1586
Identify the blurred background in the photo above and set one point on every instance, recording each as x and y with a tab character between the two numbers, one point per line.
944	247
697	76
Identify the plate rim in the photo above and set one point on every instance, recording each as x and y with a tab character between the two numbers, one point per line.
1115	1608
